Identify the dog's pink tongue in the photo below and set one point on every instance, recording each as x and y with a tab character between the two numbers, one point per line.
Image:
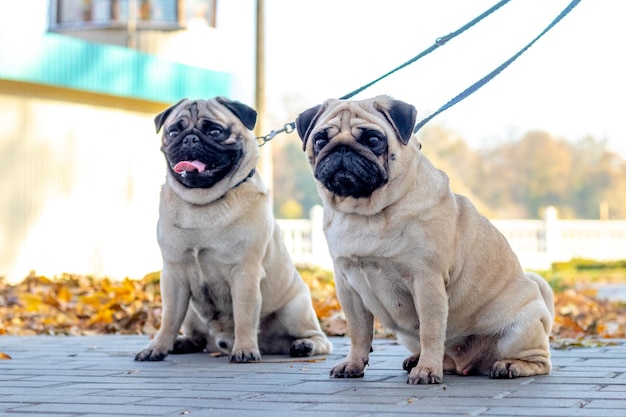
188	166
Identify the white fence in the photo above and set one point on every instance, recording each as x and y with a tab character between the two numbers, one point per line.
305	240
537	243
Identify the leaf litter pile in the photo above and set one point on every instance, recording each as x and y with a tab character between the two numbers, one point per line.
80	305
83	305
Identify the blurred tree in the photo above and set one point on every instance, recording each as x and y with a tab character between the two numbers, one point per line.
517	178
590	179
449	152
291	209
293	180
542	165
615	194
496	183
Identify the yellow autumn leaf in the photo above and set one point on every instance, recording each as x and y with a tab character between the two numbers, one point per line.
64	295
84	305
102	316
31	302
95	300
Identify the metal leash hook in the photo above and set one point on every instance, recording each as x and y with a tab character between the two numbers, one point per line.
287	128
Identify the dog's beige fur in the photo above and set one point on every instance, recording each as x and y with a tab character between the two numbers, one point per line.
227	277
419	257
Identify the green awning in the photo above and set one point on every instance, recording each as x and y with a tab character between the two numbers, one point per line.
61	61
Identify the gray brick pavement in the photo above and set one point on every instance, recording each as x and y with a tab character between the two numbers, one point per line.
95	376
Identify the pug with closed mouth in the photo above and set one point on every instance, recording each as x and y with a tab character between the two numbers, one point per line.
409	251
227	279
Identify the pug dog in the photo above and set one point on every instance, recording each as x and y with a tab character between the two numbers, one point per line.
409	251
227	277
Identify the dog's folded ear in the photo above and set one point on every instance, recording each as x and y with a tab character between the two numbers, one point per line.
246	114
305	122
401	116
160	118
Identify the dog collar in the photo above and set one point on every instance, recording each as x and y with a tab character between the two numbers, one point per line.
244	180
240	182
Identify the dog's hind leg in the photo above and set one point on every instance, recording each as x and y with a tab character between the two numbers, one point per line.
301	324
524	348
195	334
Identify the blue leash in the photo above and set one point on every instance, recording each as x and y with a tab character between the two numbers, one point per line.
471	89
439	42
291	126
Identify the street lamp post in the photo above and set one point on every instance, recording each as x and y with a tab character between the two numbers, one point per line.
266	166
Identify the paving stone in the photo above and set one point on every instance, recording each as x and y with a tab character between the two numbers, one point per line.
96	376
81	408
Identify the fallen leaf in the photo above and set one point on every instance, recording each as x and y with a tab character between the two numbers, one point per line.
83	305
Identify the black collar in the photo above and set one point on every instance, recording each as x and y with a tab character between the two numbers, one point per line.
240	182
244	180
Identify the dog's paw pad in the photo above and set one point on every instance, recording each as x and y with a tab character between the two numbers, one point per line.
347	370
505	369
301	348
150	355
424	375
245	357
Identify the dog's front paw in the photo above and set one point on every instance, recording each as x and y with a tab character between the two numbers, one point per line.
243	356
152	354
424	375
348	370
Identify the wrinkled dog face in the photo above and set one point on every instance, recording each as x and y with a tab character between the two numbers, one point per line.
348	143
200	142
353	170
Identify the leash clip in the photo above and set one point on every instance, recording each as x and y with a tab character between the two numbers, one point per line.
287	128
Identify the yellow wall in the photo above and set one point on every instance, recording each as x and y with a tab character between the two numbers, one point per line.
79	183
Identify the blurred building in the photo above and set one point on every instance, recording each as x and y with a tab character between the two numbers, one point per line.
80	84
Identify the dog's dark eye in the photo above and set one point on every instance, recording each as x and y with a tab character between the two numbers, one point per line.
172	133
215	131
374	141
320	140
211	129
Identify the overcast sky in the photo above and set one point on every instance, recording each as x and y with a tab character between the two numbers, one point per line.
570	83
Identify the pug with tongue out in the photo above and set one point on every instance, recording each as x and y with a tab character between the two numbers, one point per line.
227	278
208	147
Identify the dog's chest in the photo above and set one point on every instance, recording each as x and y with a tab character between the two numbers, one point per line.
212	298
384	291
199	238
364	237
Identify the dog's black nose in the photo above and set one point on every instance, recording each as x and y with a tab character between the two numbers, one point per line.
191	139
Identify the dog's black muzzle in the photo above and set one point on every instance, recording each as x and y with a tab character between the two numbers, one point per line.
347	173
218	160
